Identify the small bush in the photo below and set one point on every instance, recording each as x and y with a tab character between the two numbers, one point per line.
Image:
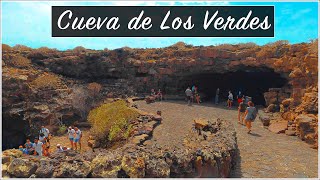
111	121
46	81
62	130
19	61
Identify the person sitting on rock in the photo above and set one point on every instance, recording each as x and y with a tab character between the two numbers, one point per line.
38	147
65	148
23	150
29	147
77	138
153	92
46	150
59	148
70	133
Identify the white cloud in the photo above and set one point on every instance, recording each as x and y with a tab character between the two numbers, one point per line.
300	13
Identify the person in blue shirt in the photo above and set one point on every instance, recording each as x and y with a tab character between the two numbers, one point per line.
23	150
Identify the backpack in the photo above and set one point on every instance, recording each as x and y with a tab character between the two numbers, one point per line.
254	114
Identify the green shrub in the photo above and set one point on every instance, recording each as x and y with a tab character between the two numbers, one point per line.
62	130
110	122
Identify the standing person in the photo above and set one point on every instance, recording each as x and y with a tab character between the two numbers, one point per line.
189	95
159	95
250	115
29	147
77	137
42	138
38	147
193	88
240	99
217	96
230	99
241	111
71	132
46	133
198	98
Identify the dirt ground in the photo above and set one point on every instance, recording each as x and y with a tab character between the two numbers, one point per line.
64	141
263	154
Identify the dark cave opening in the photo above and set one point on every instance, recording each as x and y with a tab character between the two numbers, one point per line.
251	83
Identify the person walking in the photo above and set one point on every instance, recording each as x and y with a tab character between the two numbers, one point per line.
217	96
250	115
70	133
230	99
38	147
189	95
77	137
241	111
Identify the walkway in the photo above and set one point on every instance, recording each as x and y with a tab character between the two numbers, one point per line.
262	154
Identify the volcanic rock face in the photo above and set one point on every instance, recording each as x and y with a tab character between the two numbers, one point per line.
290	71
214	156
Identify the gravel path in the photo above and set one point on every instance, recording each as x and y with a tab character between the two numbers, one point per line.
262	154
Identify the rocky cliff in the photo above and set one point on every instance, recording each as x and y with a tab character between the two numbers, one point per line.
212	156
41	85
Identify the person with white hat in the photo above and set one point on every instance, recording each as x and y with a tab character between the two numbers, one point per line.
71	132
59	148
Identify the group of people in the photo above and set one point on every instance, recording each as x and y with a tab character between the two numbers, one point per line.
41	144
246	111
158	95
192	94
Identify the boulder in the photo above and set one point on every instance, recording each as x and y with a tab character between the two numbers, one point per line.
106	166
265	119
16	153
287	102
46	168
157	168
272	108
139	139
290	132
200	123
133	166
22	168
278	127
74	169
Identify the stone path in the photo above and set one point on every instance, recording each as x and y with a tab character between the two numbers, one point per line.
263	154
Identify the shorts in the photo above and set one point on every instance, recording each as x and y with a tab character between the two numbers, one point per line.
71	139
188	97
39	153
76	140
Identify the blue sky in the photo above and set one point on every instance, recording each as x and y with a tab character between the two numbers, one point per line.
29	23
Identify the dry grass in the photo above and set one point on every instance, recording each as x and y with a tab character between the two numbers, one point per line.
46	81
19	61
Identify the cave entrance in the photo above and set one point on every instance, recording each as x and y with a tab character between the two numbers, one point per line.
253	84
